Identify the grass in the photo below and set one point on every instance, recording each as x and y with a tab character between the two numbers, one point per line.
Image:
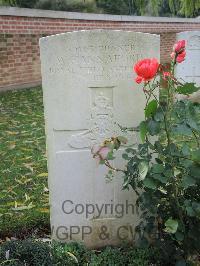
23	167
24	207
35	253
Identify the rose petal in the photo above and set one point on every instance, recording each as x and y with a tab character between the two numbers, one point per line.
103	152
138	79
146	69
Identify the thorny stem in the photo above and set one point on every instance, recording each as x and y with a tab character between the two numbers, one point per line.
107	163
167	119
178	204
164	113
147	101
196	138
170	93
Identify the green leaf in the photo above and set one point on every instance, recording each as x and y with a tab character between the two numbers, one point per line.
168	173
159	115
126	183
190	211
187	88
189	208
171	226
181	263
110	156
163	179
196	208
179	236
153	127
185	150
151	108
182	129
150	183
125	156
173	149
157	168
195	170
196	155
158	173
143	130
188	181
130	150
158	146
143	169
193	124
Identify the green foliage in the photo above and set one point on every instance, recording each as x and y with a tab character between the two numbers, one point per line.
21	3
27	252
125	256
164	171
113	7
143	168
143	130
174	6
172	186
63	5
67	5
35	253
151	108
190	8
187	89
171	226
23	170
69	254
185	8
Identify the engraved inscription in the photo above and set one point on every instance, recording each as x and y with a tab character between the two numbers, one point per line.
103	123
115	62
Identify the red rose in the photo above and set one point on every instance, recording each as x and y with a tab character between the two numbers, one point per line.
166	75
146	69
180	57
138	79
179	46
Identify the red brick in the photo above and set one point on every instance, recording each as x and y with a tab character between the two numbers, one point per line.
20	61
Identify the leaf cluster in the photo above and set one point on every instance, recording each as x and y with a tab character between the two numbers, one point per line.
165	173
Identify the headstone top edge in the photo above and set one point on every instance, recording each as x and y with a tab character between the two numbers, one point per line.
187	32
97	31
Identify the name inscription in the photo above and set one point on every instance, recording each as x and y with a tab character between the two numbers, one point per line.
97	62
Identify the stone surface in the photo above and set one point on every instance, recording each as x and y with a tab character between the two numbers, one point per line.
88	90
189	70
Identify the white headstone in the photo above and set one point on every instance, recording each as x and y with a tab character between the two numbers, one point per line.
88	90
189	70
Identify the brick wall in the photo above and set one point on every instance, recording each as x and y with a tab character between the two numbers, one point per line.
20	30
19	60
